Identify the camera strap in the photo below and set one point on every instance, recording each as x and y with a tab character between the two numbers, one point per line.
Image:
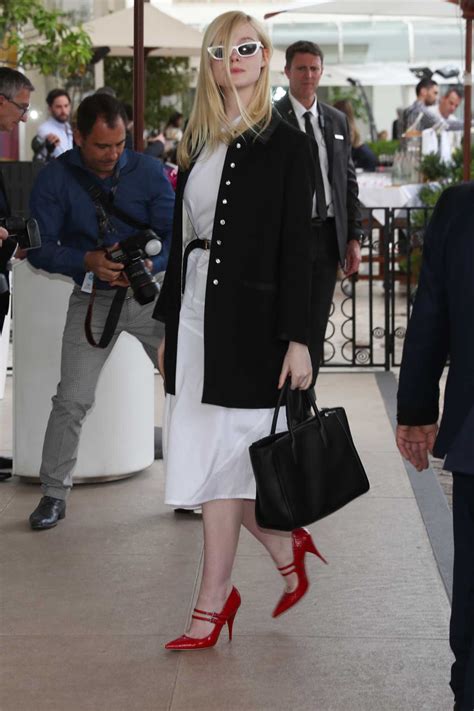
104	205
111	322
99	196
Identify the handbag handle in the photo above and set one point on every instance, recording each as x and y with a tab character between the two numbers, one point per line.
310	397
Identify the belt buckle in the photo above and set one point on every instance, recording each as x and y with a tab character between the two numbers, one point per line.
207	244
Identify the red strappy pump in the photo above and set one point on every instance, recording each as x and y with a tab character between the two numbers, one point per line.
302	544
219	619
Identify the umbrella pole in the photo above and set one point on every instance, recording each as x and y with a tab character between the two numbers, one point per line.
467	102
138	76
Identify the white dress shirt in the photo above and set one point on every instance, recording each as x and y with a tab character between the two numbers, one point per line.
62	130
300	110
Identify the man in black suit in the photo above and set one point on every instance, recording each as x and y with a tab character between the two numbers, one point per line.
441	325
336	211
15	91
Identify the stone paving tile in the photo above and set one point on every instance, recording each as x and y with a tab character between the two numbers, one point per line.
116	579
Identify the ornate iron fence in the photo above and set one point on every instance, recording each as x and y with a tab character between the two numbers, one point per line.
370	311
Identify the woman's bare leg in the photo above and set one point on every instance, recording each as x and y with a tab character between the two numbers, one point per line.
278	543
222	520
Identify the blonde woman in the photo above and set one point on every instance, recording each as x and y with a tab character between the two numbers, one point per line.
235	302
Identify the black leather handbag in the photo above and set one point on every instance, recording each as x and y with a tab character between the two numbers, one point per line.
308	472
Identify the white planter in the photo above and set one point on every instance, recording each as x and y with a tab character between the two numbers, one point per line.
118	432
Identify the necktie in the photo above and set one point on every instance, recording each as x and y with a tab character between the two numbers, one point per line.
320	194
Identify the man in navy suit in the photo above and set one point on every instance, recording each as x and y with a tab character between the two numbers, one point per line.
336	223
442	324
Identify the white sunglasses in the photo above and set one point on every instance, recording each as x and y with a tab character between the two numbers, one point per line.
246	49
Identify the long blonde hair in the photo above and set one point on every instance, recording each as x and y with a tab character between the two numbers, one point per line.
208	124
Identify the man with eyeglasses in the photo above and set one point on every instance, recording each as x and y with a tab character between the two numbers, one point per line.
336	223
15	90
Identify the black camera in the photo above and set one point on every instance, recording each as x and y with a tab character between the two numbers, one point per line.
131	252
42	149
25	232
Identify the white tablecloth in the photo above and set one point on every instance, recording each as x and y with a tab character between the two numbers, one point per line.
376	190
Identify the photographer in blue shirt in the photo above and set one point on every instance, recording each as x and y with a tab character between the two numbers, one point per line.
87	202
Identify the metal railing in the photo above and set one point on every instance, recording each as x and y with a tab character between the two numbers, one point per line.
370	311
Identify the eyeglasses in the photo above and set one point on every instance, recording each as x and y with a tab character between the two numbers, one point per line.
247	49
24	109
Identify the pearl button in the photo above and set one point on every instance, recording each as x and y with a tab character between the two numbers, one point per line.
222	222
218	242
215	282
224	202
232	165
218	261
239	145
227	182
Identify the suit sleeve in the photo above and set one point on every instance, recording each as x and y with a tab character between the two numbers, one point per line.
354	217
295	262
426	345
47	206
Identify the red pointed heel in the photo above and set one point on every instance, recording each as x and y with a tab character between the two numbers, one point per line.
302	544
230	625
219	619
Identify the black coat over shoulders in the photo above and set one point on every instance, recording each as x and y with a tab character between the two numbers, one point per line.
442	323
259	278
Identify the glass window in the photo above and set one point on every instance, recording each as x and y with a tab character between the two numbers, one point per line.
373	41
439	41
326	34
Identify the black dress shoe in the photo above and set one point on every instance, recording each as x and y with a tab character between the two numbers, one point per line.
6	465
48	512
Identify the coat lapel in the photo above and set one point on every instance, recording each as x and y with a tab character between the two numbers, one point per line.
328	138
285	109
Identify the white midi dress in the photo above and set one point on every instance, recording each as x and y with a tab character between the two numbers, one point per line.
205	446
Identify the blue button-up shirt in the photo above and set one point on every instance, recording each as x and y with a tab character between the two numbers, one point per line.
67	216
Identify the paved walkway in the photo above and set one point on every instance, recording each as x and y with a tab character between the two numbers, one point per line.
87	607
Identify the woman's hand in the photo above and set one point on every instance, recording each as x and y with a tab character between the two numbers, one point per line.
161	358
297	363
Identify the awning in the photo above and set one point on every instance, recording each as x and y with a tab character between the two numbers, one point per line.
164	36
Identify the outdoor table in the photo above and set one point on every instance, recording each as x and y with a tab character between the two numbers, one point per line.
376	191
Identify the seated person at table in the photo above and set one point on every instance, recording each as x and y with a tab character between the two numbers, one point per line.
362	155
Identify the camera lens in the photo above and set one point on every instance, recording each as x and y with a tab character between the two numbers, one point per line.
144	287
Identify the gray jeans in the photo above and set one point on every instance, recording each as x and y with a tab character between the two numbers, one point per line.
81	365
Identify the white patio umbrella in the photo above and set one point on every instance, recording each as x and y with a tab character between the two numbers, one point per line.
380	8
163	35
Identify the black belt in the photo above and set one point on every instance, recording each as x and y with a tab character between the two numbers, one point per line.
317	221
194	244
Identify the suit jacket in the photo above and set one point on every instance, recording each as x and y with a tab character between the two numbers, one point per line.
6	251
259	277
342	176
442	323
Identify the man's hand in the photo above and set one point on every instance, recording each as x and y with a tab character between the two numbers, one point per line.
353	257
297	364
3	234
53	139
414	443
161	358
104	268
